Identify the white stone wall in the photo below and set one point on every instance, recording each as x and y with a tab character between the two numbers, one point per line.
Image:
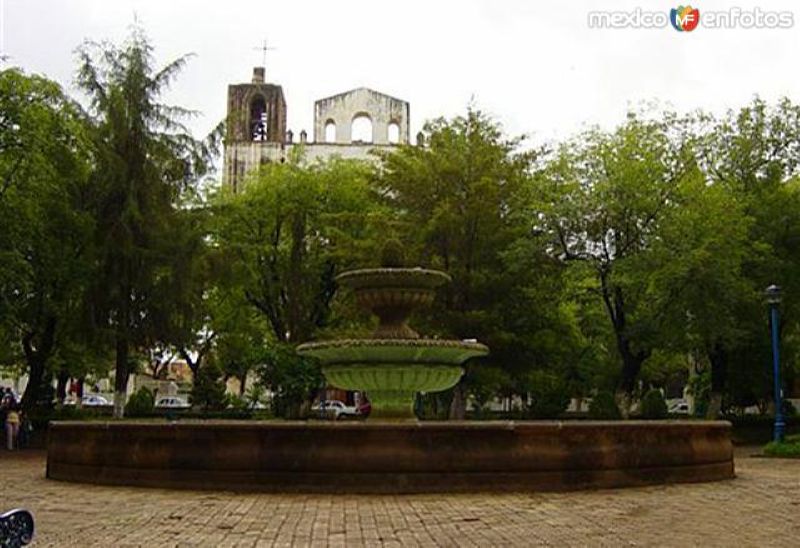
316	151
381	109
241	158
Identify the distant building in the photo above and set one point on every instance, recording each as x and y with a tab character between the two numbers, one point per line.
348	124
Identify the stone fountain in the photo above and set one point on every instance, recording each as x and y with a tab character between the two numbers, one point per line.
396	454
395	363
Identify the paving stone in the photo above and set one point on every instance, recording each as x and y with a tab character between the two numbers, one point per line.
761	507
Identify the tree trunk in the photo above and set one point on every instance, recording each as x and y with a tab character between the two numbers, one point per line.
458	406
631	361
36	356
61	386
719	359
242	385
35	381
121	377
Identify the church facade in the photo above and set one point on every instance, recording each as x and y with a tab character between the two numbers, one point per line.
349	124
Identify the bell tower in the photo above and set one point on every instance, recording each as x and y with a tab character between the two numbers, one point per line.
255	127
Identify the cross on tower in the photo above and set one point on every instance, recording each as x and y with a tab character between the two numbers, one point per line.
264	49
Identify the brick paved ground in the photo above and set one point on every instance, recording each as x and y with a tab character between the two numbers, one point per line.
759	508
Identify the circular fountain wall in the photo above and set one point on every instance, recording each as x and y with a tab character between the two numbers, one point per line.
393	457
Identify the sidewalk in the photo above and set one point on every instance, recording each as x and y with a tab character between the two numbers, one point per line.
759	508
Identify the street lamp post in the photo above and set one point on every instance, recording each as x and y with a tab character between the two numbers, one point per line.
774	299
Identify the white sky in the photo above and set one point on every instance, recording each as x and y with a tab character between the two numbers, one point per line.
536	66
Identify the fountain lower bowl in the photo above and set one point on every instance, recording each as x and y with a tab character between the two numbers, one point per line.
393	351
392	371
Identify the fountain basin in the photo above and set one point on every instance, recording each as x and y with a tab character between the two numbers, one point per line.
392	371
379	457
371	278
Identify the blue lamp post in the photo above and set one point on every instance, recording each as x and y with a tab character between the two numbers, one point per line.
774	299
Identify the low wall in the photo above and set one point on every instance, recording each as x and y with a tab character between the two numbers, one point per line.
390	457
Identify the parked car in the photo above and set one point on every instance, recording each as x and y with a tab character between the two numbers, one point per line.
172	402
334	408
94	400
681	408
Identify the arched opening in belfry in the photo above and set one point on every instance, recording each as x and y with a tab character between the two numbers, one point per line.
258	119
330	131
394	133
361	129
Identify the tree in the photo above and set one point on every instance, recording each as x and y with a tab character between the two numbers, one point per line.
288	233
753	156
145	157
602	200
697	279
46	251
459	201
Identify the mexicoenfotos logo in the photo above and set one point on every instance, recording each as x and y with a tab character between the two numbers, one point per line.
687	18
684	19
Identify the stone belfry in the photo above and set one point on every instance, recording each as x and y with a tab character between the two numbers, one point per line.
255	127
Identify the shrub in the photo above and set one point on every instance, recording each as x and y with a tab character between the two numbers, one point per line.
548	393
237	403
789	448
293	380
603	407
208	388
653	405
140	404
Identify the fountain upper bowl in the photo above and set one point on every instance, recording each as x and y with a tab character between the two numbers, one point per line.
373	278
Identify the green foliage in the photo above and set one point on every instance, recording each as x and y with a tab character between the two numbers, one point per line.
287	234
208	389
40	417
598	265
46	225
144	159
140	404
789	448
548	394
603	200
653	405
460	206
293	380
484	383
604	407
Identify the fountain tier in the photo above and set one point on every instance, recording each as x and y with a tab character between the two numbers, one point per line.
392	371
396	363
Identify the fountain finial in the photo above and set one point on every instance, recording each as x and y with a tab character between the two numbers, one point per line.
393	254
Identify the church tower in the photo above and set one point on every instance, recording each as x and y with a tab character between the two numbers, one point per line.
255	127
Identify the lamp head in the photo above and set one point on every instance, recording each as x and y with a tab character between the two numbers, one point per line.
773	294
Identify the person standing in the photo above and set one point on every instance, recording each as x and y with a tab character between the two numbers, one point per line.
12	426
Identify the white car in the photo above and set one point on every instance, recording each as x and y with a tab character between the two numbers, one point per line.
680	407
171	402
92	400
334	408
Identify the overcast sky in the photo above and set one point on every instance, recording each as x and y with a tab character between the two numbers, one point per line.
536	66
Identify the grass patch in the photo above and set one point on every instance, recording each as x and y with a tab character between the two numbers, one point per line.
788	449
